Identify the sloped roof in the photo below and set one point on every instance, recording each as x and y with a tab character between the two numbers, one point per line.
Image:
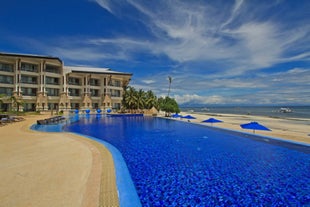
30	56
83	69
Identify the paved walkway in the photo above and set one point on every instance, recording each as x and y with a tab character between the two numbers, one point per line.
53	169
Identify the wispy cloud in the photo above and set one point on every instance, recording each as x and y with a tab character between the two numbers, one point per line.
216	51
260	88
234	13
187	31
236	37
196	32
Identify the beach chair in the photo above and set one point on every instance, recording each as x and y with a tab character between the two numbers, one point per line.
6	120
2	123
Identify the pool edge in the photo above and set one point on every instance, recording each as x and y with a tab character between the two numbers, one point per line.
126	190
127	193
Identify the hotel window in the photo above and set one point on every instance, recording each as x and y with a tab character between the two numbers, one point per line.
29	79
94	92
52	69
29	67
116	93
74	92
116	106
52	81
29	107
29	91
52	91
6	79
74	81
94	82
6	67
116	83
6	91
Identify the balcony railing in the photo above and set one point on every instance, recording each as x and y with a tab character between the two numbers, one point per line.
52	83
74	83
34	70
6	69
29	94
6	81
52	70
29	82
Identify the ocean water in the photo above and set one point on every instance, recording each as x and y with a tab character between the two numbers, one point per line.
269	111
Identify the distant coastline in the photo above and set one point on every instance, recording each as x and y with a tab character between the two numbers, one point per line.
298	112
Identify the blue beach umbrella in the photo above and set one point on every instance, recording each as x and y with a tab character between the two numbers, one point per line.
176	115
254	126
212	120
188	117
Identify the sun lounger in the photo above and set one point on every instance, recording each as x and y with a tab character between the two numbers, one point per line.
6	120
51	120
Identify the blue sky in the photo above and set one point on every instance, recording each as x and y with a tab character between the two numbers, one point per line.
216	51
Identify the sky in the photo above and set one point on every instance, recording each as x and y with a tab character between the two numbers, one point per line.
217	52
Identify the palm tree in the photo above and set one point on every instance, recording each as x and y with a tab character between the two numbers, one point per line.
140	98
133	99
129	99
150	100
170	80
2	96
16	102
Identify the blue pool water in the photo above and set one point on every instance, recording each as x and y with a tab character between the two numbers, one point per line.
176	163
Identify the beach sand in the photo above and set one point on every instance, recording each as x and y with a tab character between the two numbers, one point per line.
63	169
53	169
293	129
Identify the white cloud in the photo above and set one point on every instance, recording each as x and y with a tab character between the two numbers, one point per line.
240	40
194	98
219	50
190	31
106	4
291	86
148	81
234	13
260	43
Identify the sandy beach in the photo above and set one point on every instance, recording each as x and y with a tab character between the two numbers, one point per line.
294	129
63	169
53	169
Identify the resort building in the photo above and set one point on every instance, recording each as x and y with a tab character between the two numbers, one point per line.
41	83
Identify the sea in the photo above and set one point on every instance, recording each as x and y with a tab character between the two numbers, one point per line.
298	112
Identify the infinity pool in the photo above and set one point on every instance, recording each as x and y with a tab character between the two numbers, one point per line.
175	163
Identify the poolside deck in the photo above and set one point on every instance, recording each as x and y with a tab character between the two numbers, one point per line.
53	169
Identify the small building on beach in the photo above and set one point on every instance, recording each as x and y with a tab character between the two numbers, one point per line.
44	83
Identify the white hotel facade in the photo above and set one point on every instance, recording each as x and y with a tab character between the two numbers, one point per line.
43	83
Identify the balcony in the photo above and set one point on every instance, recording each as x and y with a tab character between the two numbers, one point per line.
6	79
28	67
29	91
6	69
51	69
29	79
74	81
